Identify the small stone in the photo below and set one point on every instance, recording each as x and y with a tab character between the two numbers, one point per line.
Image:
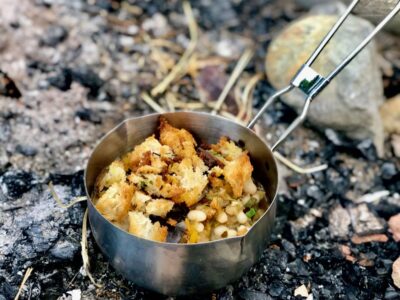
62	80
314	192
364	222
64	249
390	113
388	170
301	291
276	288
26	150
8	87
394	227
345	105
289	247
88	78
339	221
381	238
157	25
86	114
15	183
254	295
298	268
396	272
53	36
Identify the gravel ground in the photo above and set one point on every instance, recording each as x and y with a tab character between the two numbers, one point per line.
80	68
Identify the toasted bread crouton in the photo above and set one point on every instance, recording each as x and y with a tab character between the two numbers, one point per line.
191	179
155	185
115	203
141	226
238	172
180	140
113	174
139	200
159	207
149	153
227	149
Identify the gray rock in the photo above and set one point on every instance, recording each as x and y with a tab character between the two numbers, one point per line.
65	249
364	221
307	4
339	221
350	103
376	10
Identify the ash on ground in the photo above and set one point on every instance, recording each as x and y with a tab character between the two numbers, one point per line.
71	70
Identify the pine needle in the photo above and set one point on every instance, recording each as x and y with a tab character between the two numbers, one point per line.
26	276
58	200
180	67
240	66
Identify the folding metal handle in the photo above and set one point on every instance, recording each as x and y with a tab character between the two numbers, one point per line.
310	82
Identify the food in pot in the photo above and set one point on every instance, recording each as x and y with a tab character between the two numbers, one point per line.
170	189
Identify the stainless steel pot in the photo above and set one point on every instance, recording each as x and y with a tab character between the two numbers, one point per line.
179	269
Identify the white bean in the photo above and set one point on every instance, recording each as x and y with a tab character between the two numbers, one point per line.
199	227
222	217
197	215
231	210
249	187
232	233
242	218
242	230
220	231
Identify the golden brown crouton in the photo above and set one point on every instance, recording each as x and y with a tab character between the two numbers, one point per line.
149	153
155	185
180	140
139	200
141	226
113	174
115	203
237	172
191	179
227	149
159	207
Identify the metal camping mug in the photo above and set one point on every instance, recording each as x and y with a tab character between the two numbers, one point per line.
179	269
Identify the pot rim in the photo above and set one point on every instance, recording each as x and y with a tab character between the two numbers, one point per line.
169	244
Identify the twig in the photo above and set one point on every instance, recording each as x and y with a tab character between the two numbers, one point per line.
58	200
84	250
180	66
242	63
146	97
247	95
166	44
297	168
170	99
26	276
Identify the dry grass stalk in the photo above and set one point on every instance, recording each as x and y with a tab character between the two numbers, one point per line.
166	44
146	98
181	66
84	250
247	98
26	276
170	99
240	66
297	168
58	200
